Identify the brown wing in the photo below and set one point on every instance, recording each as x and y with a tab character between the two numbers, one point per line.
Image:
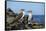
17	18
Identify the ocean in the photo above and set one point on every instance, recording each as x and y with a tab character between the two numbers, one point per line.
39	18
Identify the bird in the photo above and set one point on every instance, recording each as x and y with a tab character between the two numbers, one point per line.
17	17
21	19
30	16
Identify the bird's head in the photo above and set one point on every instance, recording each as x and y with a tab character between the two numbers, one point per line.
21	10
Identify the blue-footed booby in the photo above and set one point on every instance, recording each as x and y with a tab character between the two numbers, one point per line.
30	16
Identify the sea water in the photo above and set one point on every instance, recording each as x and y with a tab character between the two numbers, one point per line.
39	18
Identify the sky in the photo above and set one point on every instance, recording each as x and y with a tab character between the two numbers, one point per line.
37	8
